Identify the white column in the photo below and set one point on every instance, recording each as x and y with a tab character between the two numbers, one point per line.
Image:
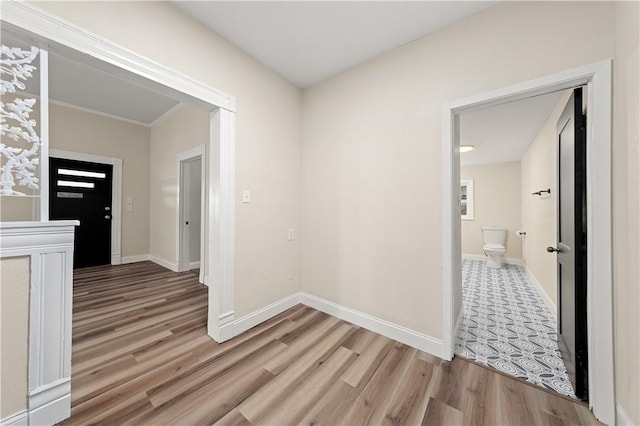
221	215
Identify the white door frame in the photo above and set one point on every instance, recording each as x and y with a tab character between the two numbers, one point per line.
183	157
120	61
116	194
599	243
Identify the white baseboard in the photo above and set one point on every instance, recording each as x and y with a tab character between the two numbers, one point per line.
261	315
116	259
162	262
622	418
135	259
396	332
50	404
547	300
509	260
18	419
194	265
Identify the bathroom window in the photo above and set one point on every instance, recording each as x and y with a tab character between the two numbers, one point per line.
466	199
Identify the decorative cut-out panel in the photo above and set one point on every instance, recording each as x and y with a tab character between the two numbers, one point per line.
19	140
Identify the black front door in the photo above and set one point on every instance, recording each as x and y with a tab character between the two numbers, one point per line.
572	243
82	190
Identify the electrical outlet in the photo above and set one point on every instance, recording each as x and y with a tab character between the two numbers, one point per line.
290	235
246	196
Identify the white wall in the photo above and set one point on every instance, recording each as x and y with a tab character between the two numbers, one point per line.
14	326
539	216
180	130
496	203
372	150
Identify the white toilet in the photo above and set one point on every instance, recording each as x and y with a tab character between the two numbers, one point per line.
494	240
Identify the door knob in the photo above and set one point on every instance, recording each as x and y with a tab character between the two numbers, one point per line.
553	250
107	216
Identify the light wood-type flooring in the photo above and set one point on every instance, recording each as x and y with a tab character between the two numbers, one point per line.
141	355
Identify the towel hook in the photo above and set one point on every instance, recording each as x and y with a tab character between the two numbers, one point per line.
542	191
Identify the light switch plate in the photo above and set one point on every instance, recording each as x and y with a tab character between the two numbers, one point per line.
246	196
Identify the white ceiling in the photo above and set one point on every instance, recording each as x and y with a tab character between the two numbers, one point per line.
503	133
307	42
87	87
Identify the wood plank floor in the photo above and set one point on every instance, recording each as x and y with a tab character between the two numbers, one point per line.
141	355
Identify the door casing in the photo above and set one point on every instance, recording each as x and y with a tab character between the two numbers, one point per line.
597	77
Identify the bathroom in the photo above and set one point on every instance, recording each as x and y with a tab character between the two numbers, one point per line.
508	218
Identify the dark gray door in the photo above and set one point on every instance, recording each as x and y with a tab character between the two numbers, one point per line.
572	243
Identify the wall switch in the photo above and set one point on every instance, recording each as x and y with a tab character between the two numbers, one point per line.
290	235
129	208
129	200
246	196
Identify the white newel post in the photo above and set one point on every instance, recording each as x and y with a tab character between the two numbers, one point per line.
50	248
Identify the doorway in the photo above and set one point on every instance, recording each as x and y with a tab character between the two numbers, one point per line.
597	77
507	274
82	190
191	210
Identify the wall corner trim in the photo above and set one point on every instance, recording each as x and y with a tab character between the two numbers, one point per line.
20	418
163	262
136	258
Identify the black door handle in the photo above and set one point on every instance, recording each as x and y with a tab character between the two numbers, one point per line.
553	250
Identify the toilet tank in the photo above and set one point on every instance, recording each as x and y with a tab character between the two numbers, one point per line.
494	234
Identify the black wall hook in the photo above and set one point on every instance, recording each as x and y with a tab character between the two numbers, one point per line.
542	191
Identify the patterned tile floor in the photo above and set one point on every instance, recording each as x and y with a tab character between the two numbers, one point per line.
507	326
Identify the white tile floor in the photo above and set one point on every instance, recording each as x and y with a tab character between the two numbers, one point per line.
507	326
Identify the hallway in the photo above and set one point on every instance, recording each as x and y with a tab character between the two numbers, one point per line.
141	355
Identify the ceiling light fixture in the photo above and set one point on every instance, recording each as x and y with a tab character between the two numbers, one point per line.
466	148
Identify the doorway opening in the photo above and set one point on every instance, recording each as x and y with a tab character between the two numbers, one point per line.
597	78
508	193
191	211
